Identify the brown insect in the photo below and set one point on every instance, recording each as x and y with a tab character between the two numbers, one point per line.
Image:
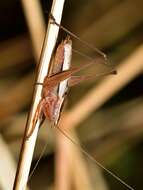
55	85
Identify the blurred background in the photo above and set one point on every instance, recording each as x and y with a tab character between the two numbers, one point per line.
112	130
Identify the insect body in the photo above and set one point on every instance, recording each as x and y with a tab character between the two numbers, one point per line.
56	84
53	92
53	89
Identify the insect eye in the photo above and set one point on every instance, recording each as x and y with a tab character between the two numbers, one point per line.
66	93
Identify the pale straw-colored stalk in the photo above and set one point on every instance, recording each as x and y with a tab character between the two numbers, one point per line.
35	22
7	166
29	144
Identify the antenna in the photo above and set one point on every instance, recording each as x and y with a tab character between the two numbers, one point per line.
78	38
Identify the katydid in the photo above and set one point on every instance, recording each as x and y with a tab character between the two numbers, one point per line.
51	101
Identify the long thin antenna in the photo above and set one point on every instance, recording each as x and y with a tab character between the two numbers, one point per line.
78	38
83	54
105	62
82	149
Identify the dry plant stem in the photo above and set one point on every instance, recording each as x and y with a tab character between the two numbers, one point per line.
62	163
69	162
82	174
66	153
88	7
29	144
10	53
7	166
15	99
36	25
129	69
115	18
66	166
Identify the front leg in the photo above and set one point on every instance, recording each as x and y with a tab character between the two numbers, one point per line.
37	115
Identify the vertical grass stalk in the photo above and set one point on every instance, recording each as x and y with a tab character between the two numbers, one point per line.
28	145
